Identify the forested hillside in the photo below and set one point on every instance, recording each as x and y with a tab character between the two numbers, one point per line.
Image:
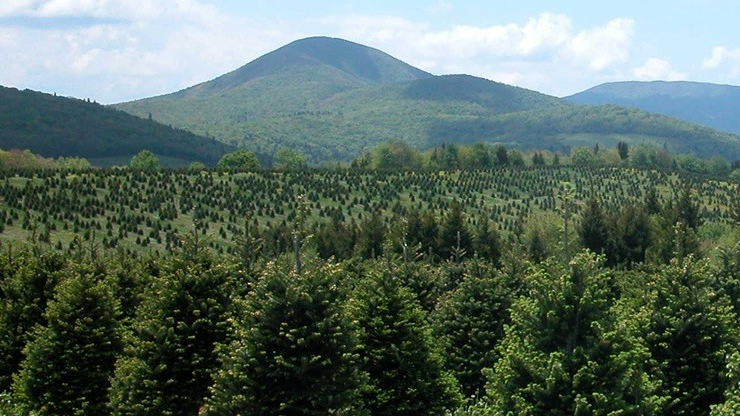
331	99
53	126
707	104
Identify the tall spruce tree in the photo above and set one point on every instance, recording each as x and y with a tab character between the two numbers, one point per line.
565	352
294	350
690	330
70	360
731	404
487	244
469	322
404	366
27	284
455	240
170	357
593	232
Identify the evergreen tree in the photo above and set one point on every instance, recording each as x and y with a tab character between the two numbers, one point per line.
565	352
633	236
487	243
70	360
294	353
623	149
168	363
27	284
371	236
593	232
690	332
470	322
687	210
455	240
502	156
652	203
404	367
536	248
731	404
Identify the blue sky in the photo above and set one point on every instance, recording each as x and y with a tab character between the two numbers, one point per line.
118	50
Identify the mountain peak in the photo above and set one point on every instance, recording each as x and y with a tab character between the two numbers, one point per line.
362	64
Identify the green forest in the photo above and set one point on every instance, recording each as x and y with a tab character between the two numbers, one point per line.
540	287
54	126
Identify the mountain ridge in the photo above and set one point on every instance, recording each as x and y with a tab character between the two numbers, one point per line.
711	105
314	95
54	126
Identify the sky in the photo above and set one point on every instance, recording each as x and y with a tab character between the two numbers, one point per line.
119	50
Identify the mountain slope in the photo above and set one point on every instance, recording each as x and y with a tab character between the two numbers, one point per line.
356	63
332	99
55	126
712	105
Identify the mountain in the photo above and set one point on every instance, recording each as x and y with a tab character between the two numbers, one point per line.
331	99
54	126
712	105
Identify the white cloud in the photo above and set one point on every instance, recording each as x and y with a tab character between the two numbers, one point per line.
721	56
129	49
546	37
604	46
658	69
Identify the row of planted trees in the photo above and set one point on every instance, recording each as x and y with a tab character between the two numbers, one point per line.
195	333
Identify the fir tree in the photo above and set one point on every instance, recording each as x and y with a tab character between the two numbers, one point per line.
70	360
454	237
565	352
27	284
371	237
487	243
690	331
404	367
294	353
470	322
168	362
593	231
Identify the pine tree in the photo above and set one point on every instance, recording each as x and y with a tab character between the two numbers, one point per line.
687	210
169	359
371	237
27	284
536	249
731	404
470	322
294	353
633	235
455	240
404	367
70	360
487	243
690	332
623	150
593	232
565	352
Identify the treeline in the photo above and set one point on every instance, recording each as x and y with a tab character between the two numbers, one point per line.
396	155
24	159
606	313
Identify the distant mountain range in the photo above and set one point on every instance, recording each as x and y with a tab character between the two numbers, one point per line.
332	98
712	105
54	126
